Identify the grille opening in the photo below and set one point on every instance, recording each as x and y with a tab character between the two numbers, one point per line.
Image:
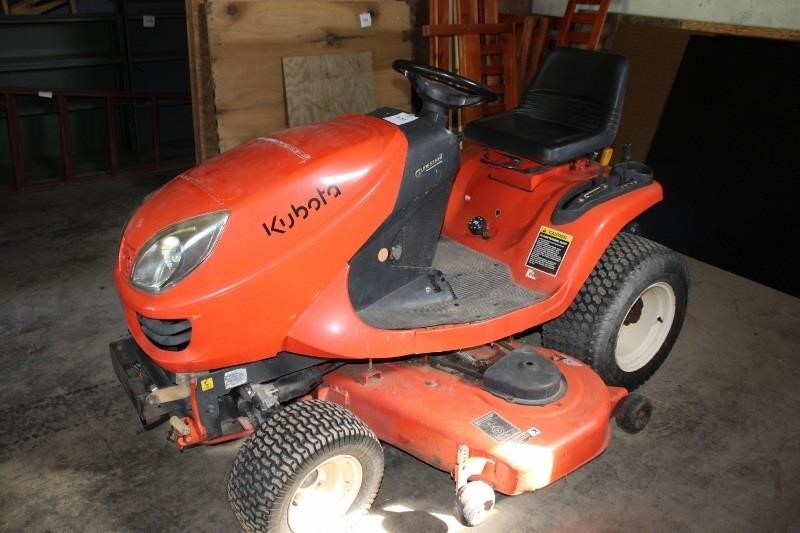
171	334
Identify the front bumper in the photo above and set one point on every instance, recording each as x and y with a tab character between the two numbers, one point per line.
140	377
199	406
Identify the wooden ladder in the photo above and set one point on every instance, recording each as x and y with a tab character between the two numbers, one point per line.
466	37
581	26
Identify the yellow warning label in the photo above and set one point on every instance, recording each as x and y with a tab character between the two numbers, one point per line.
207	384
549	250
555	233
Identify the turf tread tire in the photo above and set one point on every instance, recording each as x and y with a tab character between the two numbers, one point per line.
285	448
588	329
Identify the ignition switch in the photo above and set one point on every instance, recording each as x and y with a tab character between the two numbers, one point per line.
479	226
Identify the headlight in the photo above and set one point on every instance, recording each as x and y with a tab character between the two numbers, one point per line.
175	251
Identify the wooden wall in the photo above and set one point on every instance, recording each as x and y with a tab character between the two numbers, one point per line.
246	41
206	140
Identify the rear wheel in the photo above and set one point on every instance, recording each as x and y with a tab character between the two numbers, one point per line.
626	317
310	467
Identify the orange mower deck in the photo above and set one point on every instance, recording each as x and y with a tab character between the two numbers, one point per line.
528	447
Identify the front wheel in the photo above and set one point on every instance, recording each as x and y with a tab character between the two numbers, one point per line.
627	316
310	467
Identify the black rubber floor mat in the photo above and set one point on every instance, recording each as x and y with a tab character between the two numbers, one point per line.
483	288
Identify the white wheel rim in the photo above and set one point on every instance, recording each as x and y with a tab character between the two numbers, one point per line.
645	327
325	494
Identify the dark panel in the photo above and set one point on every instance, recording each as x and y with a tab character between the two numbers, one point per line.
412	229
726	152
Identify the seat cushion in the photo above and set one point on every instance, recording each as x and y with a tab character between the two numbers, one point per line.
570	109
525	134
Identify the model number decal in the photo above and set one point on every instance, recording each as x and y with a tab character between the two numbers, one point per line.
524	436
281	224
549	250
435	162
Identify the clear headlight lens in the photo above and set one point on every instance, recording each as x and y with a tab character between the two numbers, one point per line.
175	251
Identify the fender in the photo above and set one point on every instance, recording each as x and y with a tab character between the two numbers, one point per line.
518	213
330	326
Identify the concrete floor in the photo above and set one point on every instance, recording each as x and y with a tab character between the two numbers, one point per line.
721	452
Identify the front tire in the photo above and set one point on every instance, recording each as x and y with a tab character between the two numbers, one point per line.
627	316
310	467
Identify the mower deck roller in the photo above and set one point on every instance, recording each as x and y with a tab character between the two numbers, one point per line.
528	447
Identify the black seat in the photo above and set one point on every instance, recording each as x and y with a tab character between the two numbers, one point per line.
571	108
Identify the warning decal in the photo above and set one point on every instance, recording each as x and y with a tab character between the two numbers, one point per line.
497	427
525	436
207	384
549	250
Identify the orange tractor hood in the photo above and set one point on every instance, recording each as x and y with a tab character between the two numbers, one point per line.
301	202
267	171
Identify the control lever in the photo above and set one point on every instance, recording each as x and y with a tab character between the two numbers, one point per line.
626	157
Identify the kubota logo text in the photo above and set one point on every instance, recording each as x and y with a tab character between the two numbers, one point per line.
296	213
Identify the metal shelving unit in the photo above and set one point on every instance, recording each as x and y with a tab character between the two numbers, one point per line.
112	51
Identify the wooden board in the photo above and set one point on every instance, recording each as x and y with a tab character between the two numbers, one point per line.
698	26
206	142
249	38
742	31
319	88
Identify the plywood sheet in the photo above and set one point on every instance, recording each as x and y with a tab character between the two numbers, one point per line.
654	55
319	88
248	40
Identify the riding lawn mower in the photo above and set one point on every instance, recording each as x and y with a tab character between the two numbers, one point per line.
331	286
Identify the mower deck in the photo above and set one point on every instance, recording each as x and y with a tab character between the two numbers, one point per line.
431	411
482	288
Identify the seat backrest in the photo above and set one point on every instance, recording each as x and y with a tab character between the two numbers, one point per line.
570	109
579	88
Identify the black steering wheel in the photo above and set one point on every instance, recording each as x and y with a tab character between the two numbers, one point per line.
442	88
